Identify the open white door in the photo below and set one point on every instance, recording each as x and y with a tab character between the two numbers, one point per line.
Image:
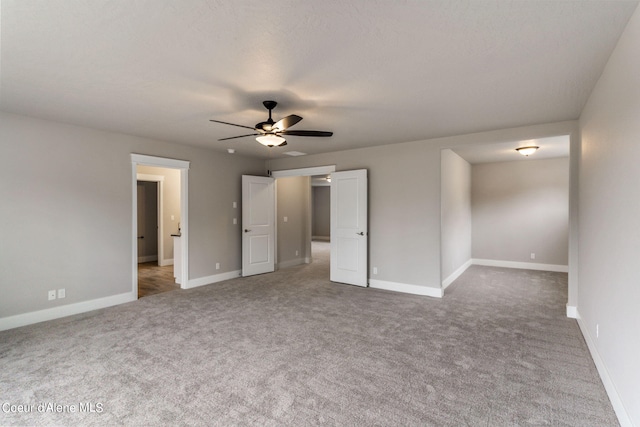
349	227
258	225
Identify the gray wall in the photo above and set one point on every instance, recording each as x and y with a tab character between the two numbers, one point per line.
66	217
399	237
609	278
321	215
456	212
293	202
519	208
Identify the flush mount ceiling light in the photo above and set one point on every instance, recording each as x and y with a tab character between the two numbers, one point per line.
271	140
526	151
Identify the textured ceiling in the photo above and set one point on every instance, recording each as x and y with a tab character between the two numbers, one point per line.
373	72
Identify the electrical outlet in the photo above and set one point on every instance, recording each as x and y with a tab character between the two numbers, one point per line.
533	255
235	205
217	266
61	293
52	295
286	219
296	253
375	270
235	221
173	217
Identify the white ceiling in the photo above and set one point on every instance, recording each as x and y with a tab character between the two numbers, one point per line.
557	146
372	72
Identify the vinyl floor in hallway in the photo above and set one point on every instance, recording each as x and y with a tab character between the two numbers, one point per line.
153	279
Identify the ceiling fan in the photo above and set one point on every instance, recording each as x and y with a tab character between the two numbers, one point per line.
269	133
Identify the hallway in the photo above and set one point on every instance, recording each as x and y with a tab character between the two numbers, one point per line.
153	279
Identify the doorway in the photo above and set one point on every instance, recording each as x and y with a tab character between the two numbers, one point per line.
320	216
489	191
348	223
349	218
299	249
303	220
155	252
159	188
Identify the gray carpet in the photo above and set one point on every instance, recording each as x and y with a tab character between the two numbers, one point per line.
291	348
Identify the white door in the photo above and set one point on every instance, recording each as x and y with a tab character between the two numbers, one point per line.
349	227
258	225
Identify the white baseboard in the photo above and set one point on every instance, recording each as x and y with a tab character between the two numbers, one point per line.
147	258
291	263
572	311
521	265
64	310
208	280
166	262
453	276
82	307
614	397
406	288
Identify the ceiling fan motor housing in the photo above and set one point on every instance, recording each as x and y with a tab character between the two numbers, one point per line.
267	125
269	105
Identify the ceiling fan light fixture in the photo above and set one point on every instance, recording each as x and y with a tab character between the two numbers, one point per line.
269	132
526	151
270	140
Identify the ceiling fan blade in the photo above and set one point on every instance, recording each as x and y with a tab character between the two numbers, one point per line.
241	136
286	122
232	124
306	133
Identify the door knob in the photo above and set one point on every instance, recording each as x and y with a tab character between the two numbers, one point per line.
140	237
360	233
246	230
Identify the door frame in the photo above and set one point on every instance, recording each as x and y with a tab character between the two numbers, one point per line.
285	173
162	162
159	180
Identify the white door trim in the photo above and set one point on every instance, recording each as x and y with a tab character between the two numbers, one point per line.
160	180
163	162
318	170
